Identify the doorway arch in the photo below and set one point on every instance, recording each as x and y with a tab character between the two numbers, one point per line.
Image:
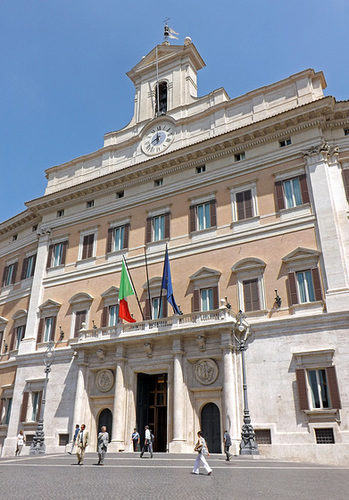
105	419
211	427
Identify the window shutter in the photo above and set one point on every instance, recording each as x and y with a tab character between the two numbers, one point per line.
213	213
293	288
64	252
49	256
304	188
192	218
39	407
333	385
34	264
280	202
4	275
317	283
90	245
80	318
104	320
126	235
24	407
148	229
164	307
215	297
1	409
40	330
53	331
147	314
85	246
240	206
345	175
302	389
196	300
247	296
248	203
12	339
24	268
109	239
167	225
15	267
255	295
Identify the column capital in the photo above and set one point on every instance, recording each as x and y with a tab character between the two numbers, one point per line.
321	151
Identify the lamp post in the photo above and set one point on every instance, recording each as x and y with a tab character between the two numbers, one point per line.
38	446
248	445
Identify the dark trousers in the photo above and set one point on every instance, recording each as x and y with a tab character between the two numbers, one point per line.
148	446
226	451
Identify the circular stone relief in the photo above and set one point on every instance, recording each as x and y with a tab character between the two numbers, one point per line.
104	380
206	371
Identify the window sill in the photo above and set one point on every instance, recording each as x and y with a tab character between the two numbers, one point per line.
116	255
308	307
85	262
245	224
295	212
204	233
55	269
322	415
262	313
155	246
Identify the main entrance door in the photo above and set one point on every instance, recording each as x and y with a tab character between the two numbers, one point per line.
105	419
152	407
211	427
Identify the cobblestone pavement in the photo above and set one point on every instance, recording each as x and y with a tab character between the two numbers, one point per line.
166	477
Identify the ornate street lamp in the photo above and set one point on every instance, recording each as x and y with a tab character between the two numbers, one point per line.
248	445
38	446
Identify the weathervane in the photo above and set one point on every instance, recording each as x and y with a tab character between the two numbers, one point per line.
169	32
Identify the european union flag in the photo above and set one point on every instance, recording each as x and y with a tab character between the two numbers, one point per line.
167	284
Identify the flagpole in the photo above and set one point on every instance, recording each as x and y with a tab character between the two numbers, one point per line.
162	279
146	268
139	304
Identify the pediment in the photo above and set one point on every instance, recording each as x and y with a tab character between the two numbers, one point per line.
248	264
205	273
112	292
81	298
21	314
301	253
50	304
154	283
3	321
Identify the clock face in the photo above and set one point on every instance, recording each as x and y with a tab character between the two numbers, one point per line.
158	139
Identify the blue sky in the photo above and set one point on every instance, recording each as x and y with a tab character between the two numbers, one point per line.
63	63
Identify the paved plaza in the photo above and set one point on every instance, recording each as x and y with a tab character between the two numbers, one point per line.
166	477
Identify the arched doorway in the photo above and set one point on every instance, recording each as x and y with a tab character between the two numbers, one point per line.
211	427
105	419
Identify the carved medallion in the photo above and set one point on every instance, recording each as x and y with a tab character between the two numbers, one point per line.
104	380
206	371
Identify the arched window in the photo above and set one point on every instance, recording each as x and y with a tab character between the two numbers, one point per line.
161	98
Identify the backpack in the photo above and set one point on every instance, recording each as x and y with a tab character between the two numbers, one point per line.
152	437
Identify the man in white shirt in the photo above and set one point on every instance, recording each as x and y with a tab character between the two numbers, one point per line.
147	443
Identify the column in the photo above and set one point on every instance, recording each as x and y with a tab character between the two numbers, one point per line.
118	433
80	394
230	418
330	207
28	344
178	397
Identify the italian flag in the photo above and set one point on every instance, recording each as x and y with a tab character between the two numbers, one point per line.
125	290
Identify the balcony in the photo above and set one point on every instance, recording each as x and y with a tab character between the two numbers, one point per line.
164	326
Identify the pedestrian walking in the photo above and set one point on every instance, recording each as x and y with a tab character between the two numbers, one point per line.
82	440
147	446
77	428
227	444
20	443
136	438
202	449
103	441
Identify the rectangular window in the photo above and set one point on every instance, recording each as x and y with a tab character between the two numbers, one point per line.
80	318
8	411
346	131
319	390
203	216
239	156
324	436
305	286
158	228
158	182
201	169
9	275
206	295
56	254
251	295
285	142
28	267
20	330
120	194
60	213
117	238
90	204
87	246
63	439
244	206
113	315
156	313
263	436
292	192
36	405
48	329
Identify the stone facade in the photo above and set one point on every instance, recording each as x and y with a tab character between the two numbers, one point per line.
250	195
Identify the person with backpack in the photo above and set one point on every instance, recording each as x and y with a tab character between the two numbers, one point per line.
202	449
227	444
148	445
